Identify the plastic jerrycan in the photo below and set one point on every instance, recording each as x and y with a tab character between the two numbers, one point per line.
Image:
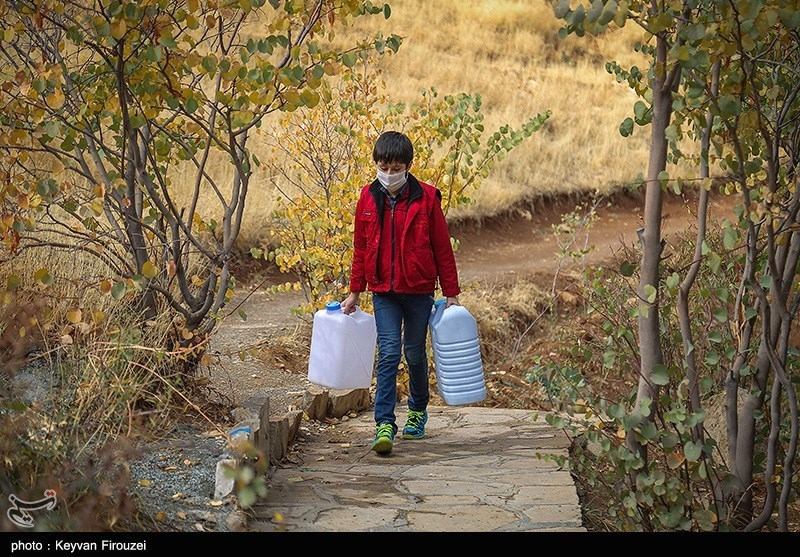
456	354
342	348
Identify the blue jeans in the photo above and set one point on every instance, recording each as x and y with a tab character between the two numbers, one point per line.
401	319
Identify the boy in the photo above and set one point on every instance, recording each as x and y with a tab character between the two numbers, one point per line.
401	244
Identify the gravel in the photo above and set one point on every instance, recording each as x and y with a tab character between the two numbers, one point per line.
174	484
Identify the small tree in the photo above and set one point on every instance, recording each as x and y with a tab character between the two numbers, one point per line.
326	158
723	74
109	107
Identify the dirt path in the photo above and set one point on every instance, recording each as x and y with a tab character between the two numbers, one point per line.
527	244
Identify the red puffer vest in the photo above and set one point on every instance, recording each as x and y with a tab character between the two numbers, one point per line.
420	245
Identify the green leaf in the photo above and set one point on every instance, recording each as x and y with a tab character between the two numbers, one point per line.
561	9
765	281
649	431
626	127
617	411
650	293
714	336
349	59
660	375
609	12
12	283
640	112
730	238
673	280
247	497
749	313
721	314
626	269
692	451
714	261
118	290
712	358
242	314
191	105
669	439
387	11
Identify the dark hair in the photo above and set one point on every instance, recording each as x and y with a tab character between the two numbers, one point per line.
393	147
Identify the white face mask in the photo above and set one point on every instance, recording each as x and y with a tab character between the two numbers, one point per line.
392	182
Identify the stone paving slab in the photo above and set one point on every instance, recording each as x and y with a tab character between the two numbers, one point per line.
476	469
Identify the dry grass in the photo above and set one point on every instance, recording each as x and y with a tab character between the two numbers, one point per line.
505	314
508	51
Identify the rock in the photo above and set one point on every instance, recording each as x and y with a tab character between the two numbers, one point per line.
223	485
278	438
295	418
236	522
315	402
343	402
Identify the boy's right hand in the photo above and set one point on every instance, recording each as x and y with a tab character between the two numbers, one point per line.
350	303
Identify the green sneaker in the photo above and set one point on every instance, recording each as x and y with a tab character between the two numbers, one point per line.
384	438
415	424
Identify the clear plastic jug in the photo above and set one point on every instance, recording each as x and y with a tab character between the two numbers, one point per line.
456	355
342	348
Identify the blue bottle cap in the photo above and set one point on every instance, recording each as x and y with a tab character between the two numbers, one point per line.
437	303
333	306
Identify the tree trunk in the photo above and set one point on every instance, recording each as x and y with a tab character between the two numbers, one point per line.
649	321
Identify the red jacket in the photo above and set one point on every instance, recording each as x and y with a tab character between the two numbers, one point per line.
409	258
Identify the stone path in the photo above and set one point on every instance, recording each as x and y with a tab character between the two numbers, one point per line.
477	469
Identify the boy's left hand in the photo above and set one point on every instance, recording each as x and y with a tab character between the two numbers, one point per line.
452	301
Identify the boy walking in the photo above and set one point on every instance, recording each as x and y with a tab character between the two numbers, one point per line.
401	245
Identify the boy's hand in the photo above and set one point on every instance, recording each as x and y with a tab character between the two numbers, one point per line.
350	303
452	301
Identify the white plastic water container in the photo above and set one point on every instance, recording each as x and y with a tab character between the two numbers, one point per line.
456	354
342	348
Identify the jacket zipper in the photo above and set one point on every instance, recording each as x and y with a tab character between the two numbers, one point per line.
391	279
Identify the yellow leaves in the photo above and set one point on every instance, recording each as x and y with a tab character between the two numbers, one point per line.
74	316
43	277
193	5
149	270
56	99
118	29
